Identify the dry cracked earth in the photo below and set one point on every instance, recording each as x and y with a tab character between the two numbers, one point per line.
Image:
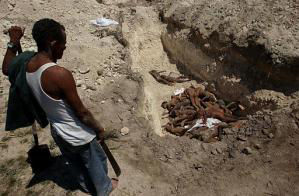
244	51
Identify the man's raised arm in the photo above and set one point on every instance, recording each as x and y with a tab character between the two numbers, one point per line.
14	46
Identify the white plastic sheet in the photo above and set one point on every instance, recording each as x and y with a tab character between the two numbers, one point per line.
103	22
211	122
179	91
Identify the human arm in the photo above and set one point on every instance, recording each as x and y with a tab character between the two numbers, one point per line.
67	86
15	34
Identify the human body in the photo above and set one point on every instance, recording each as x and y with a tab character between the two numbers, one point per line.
73	127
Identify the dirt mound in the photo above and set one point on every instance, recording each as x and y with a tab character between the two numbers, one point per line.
255	42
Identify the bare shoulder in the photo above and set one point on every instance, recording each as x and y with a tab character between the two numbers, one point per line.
59	75
59	72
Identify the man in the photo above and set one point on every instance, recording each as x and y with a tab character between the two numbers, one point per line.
73	127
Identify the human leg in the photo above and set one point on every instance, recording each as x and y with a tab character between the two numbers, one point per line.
75	163
95	161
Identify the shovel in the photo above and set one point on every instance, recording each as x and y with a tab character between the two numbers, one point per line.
111	159
39	156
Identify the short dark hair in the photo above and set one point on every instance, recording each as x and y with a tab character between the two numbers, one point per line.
44	29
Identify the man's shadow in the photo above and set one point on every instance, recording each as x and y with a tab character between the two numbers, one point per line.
58	173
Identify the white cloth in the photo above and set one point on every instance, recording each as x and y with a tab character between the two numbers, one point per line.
103	22
59	113
211	122
179	91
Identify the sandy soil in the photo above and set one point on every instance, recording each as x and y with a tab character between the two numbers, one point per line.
118	89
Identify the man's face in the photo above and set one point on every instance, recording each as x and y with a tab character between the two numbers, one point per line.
59	47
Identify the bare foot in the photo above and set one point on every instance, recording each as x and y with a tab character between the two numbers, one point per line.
114	182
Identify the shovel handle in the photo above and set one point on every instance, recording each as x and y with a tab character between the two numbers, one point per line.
34	132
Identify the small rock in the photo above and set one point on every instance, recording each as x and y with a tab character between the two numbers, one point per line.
257	146
214	152
242	138
219	150
99	81
124	131
100	72
93	88
84	71
84	87
247	150
271	135
109	74
197	166
102	102
268	133
79	83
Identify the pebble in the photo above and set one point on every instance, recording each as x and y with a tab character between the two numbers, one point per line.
242	138
99	81
214	152
93	88
84	71
100	72
247	151
197	166
219	150
102	102
257	146
109	74
79	83
83	86
271	135
267	133
124	131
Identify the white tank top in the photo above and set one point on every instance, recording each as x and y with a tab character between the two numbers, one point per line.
60	115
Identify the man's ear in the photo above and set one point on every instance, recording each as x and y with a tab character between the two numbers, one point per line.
52	43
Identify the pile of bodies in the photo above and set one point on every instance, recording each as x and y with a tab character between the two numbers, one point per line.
185	109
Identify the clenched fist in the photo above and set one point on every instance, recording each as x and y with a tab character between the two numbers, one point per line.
15	34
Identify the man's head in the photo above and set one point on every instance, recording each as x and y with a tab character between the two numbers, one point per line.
49	35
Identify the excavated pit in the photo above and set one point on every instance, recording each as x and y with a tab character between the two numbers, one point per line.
233	73
245	51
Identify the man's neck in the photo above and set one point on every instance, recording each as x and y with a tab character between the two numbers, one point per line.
47	55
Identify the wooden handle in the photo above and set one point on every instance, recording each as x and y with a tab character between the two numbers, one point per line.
34	132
